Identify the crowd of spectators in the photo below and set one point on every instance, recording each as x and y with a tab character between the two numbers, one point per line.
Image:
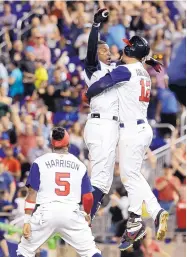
41	76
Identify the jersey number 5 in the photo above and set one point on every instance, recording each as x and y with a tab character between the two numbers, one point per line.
65	184
145	90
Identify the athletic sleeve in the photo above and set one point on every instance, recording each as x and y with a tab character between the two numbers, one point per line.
91	61
86	186
120	74
33	179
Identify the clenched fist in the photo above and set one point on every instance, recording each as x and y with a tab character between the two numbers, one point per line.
101	15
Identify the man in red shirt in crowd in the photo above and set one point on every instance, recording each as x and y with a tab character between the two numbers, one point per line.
11	163
168	187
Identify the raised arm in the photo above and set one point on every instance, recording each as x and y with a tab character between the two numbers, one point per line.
91	58
120	74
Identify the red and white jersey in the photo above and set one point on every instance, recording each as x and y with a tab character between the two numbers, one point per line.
59	177
134	94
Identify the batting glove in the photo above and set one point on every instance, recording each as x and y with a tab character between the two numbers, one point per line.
157	66
101	15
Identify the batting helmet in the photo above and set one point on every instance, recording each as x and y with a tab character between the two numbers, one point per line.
136	47
59	137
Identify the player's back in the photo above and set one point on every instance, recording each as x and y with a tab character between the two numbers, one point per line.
134	95
60	178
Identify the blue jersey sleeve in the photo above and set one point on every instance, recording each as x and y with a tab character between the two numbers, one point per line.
86	186
120	74
91	62
33	179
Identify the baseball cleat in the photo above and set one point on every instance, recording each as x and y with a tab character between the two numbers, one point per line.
161	224
134	232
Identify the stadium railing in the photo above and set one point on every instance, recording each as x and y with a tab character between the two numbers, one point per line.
102	225
24	19
163	155
3	44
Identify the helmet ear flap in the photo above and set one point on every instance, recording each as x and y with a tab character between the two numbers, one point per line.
129	50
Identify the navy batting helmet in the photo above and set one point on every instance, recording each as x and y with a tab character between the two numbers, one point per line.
136	47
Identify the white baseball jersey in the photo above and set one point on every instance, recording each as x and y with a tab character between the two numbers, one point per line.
59	177
106	102
134	95
133	85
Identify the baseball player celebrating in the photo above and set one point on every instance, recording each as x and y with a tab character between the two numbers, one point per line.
133	86
57	182
101	132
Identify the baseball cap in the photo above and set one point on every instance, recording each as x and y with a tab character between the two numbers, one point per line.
67	103
59	137
29	49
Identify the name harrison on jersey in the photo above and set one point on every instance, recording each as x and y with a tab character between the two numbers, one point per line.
62	163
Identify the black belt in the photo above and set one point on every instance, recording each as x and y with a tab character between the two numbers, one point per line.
122	125
97	115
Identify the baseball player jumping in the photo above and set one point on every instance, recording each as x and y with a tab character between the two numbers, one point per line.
101	132
133	85
57	182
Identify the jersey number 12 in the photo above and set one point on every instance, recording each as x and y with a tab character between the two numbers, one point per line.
145	90
58	180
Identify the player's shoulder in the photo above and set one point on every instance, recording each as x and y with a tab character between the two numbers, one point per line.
121	73
43	158
137	69
76	160
122	67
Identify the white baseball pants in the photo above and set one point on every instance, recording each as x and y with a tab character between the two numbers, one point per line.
64	219
101	137
133	143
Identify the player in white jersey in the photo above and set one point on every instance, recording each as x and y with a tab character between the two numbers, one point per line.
57	183
133	85
101	132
